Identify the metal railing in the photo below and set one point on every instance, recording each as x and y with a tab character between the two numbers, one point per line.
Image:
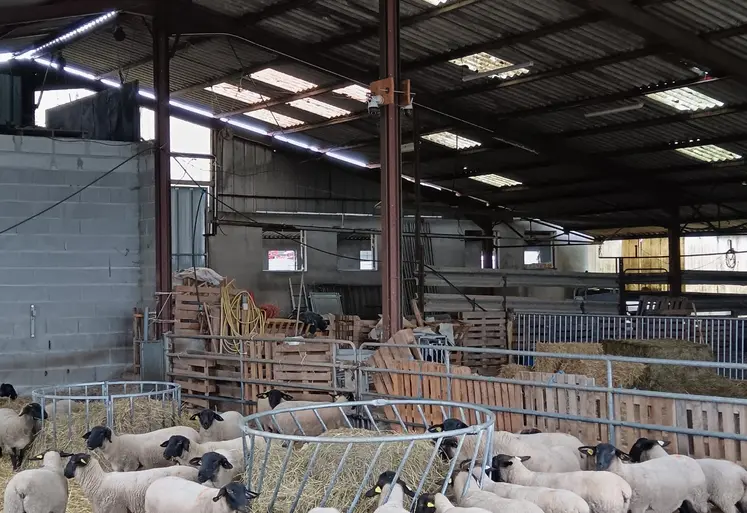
725	336
294	425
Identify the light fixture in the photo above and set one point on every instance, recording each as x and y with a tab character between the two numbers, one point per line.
497	71
119	34
616	110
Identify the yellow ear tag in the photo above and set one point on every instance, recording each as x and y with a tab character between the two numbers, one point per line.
589	452
431	505
378	489
438	430
84	462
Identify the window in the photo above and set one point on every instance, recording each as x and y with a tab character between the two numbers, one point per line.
284	250
709	153
539	257
357	252
496	180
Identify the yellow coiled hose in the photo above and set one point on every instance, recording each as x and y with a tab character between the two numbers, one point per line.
240	317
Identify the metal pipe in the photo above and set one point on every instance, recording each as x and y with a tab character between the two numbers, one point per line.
391	174
675	260
419	256
162	166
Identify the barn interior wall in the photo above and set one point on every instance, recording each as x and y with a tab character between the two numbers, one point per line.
83	265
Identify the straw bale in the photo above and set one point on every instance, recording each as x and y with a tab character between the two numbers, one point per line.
512	370
354	470
554	364
676	378
624	374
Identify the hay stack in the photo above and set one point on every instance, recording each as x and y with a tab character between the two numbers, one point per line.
673	378
624	375
355	467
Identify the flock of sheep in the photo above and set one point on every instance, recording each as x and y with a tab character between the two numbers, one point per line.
181	469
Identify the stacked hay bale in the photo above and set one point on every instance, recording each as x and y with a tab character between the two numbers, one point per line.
624	374
673	378
354	470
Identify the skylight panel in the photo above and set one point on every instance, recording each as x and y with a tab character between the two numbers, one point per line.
282	80
451	140
274	118
355	92
709	153
436	2
685	99
319	108
236	93
483	62
495	180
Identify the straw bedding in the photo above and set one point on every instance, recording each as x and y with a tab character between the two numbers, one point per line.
354	470
140	416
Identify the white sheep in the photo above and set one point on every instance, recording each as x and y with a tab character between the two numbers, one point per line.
333	418
119	492
181	449
324	510
395	503
604	492
660	485
479	498
17	430
218	468
39	490
543	458
550	500
135	452
438	503
553	440
173	494
726	482
215	427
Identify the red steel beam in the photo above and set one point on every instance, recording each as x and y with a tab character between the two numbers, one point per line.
162	167
391	174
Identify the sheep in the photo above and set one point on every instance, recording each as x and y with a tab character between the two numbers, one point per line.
324	510
544	458
550	500
478	498
7	390
332	417
134	452
17	430
181	449
119	492
215	427
173	494
438	503
218	468
660	485
726	482
268	400
39	490
604	492
529	431
395	503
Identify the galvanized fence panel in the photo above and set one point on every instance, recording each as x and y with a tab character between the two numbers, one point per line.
725	336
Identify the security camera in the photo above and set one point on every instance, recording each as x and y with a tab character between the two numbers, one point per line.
374	105
407	110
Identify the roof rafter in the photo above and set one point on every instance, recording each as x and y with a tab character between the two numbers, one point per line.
70	9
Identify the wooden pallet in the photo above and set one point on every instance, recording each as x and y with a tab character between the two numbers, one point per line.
295	365
194	373
260	350
189	316
284	327
487	330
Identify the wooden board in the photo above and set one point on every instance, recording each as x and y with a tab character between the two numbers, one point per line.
487	330
294	363
189	317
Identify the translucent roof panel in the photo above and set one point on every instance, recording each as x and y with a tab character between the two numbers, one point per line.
274	118
495	180
451	140
709	153
354	91
282	80
319	108
436	2
483	62
236	93
686	99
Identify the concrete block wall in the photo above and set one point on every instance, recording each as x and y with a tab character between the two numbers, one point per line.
80	263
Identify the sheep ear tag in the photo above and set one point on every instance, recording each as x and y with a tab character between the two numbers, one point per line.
590	452
437	429
377	489
431	505
37	457
84	461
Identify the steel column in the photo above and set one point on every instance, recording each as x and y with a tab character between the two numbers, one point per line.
391	174
675	255
162	166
